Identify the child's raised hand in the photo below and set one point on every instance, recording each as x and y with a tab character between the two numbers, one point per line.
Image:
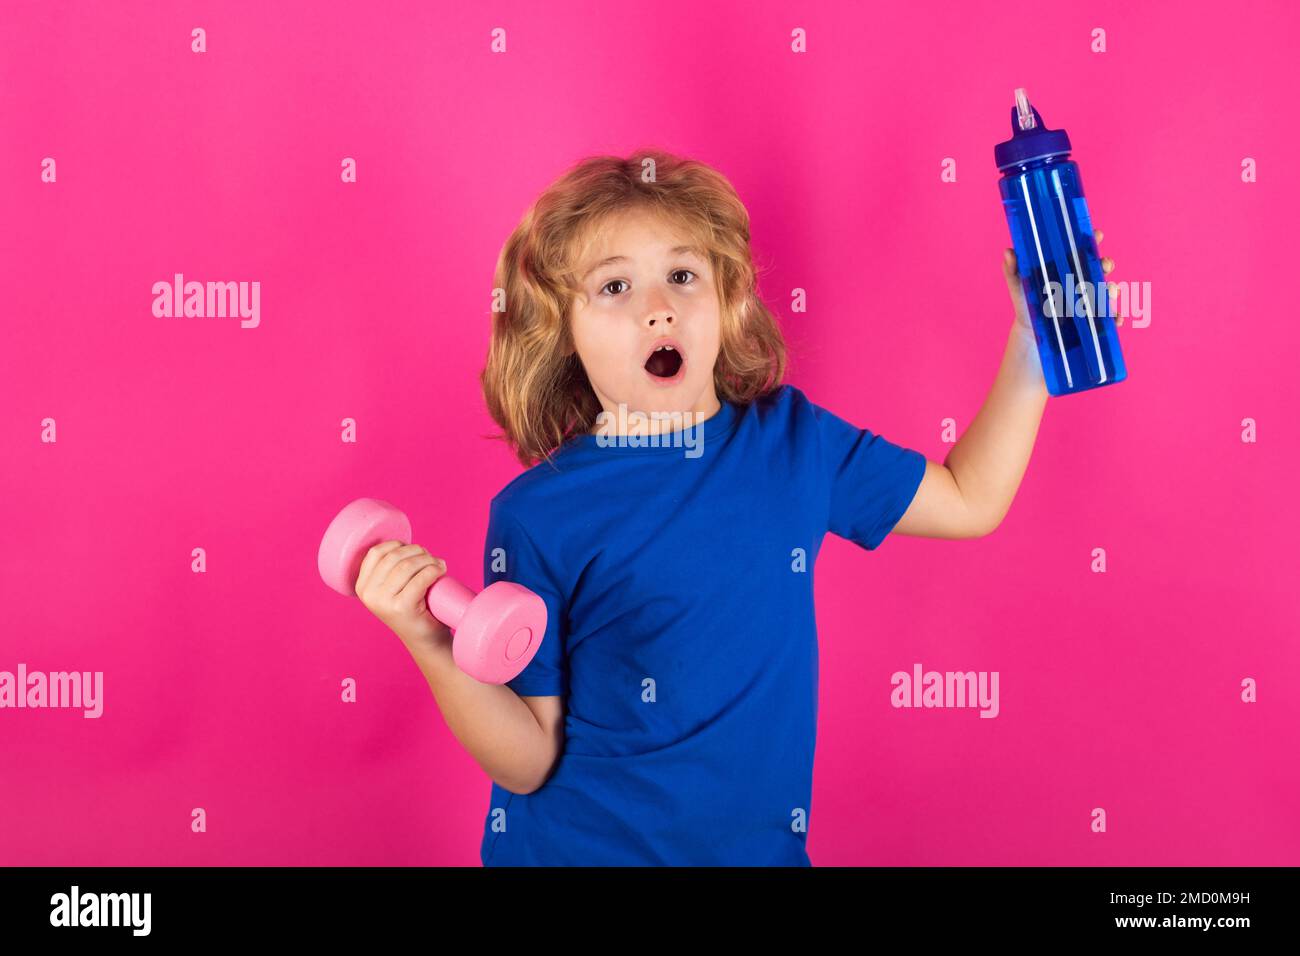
1017	293
1107	264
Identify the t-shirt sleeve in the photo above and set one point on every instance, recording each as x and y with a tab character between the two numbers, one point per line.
872	481
509	554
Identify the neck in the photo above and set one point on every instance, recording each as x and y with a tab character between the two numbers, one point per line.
620	420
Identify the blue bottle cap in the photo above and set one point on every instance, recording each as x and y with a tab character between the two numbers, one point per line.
1030	138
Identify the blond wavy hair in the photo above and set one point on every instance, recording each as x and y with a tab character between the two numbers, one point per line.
534	384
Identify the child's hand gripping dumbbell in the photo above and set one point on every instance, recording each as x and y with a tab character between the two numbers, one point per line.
497	632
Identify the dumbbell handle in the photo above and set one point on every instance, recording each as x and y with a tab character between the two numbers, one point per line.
448	600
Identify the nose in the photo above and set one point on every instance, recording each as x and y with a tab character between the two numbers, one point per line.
660	315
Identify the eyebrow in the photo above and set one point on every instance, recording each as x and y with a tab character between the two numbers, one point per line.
676	250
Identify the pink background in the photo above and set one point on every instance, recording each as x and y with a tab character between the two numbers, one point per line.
1118	690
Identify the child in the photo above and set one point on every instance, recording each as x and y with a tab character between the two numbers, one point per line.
675	505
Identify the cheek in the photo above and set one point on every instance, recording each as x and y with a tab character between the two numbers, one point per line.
607	357
583	329
598	344
712	337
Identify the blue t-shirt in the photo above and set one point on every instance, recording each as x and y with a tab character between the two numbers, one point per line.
679	588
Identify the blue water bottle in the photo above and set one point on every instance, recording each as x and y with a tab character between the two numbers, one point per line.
1056	255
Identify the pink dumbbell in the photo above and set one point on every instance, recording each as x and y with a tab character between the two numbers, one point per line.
497	632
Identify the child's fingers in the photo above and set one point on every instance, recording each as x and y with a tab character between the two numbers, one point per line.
1110	293
1107	265
369	562
414	590
395	568
1012	276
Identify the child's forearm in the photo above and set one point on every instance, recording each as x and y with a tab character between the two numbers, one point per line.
491	722
989	460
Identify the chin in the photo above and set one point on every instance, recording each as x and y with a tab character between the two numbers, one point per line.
672	398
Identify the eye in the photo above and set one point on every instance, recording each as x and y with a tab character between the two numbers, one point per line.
675	272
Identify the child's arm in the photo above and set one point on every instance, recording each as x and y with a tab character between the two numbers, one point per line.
516	740
970	493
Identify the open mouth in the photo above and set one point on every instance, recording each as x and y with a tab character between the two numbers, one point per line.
665	362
